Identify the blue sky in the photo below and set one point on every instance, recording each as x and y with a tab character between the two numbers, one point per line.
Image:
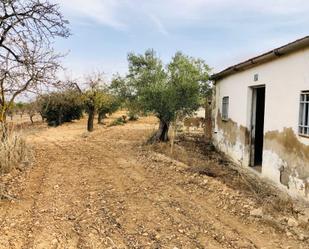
222	32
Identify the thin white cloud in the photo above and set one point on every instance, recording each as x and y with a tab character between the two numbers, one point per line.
122	13
241	21
159	25
102	11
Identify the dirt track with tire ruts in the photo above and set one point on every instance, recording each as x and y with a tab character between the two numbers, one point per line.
108	190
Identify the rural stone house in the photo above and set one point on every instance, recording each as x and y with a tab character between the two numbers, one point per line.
261	115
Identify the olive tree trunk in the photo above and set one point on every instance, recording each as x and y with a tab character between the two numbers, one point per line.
162	134
91	114
101	116
31	119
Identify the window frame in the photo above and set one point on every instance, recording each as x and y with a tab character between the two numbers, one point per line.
225	108
303	121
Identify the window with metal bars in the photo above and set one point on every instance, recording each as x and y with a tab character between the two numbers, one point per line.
225	108
304	114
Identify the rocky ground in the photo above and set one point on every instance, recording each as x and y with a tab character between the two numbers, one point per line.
110	190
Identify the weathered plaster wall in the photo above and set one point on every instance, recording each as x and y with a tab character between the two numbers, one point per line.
286	154
292	159
233	139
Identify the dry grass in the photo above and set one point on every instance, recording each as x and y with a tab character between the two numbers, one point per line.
203	159
14	153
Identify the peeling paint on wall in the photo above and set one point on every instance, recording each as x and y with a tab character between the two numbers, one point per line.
294	169
232	131
285	158
232	139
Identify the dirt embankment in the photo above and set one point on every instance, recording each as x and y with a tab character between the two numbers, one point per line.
108	190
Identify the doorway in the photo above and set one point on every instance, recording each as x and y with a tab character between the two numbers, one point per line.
257	129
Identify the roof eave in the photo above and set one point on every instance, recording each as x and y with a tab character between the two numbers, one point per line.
273	54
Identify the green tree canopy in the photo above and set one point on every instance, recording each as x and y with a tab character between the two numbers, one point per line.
60	107
99	98
167	92
108	104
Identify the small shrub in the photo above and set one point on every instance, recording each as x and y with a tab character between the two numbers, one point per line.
14	153
124	117
118	121
133	116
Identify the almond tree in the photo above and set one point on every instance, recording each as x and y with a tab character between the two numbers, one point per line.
20	109
28	62
32	108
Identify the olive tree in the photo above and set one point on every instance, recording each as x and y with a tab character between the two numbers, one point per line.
124	90
93	97
108	104
27	58
167	91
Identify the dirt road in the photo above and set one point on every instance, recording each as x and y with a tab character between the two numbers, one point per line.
107	190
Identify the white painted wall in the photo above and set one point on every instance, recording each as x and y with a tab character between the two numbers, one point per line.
284	79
